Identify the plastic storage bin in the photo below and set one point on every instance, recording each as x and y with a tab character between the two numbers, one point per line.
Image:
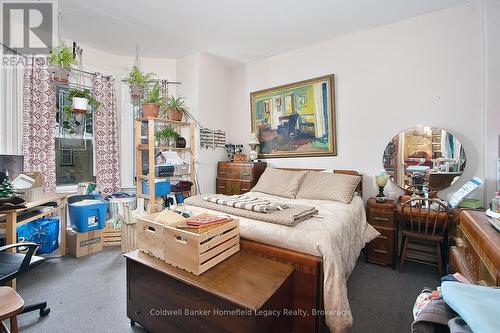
88	215
162	187
181	170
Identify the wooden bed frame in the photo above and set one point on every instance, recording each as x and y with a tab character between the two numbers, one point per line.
308	274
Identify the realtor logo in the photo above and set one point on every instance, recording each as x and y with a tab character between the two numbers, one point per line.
28	27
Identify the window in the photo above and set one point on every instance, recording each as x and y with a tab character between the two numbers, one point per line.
74	143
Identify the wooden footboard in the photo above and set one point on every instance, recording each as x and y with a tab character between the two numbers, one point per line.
307	281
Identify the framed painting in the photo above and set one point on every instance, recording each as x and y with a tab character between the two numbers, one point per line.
295	120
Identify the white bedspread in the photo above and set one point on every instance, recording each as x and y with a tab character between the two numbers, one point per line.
337	235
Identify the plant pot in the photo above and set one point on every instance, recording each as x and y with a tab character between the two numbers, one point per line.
174	114
150	110
136	91
170	142
60	74
181	142
80	105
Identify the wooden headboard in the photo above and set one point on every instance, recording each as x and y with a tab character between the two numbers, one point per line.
359	189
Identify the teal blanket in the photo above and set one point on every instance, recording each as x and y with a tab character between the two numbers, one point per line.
478	306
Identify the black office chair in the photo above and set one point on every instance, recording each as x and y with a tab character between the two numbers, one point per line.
13	265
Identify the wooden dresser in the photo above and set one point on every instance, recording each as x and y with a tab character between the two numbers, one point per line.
476	254
238	177
382	250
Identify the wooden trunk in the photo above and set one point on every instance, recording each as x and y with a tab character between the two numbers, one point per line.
307	282
227	298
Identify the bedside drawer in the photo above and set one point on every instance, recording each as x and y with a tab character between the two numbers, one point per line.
381	249
381	218
231	187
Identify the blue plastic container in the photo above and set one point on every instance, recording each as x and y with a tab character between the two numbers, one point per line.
88	215
44	232
162	187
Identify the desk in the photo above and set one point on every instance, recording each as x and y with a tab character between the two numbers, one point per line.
12	219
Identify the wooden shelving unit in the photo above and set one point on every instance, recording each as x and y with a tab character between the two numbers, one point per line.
149	146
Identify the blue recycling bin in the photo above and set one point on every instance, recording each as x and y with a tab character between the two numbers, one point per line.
87	215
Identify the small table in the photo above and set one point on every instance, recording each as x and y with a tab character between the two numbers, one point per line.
12	219
241	294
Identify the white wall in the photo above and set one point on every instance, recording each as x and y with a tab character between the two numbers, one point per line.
426	70
205	84
492	56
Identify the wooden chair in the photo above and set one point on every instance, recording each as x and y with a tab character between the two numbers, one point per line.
423	225
10	306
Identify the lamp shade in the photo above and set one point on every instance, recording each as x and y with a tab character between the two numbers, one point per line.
381	180
253	139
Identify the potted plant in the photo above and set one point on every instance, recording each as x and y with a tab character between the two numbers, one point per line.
138	81
60	60
152	103
80	99
175	108
167	136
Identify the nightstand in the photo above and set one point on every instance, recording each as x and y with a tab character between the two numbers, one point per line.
382	250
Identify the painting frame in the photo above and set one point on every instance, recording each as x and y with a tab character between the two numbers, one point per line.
282	90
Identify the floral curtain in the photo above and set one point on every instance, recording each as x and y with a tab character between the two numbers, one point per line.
107	156
39	121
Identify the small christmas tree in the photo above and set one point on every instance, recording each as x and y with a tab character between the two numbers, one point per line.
6	189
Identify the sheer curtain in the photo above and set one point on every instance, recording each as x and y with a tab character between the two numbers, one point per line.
11	106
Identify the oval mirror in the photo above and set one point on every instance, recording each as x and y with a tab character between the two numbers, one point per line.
424	158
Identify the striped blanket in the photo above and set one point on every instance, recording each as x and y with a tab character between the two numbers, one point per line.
289	216
245	202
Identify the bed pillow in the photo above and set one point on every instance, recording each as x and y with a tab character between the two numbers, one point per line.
283	183
329	186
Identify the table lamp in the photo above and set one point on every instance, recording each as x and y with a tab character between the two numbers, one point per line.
381	181
253	143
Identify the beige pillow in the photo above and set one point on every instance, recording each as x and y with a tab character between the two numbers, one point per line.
329	186
283	183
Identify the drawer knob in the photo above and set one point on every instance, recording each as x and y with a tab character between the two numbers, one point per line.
381	219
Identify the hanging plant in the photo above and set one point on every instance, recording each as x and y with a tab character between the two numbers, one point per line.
152	103
61	59
138	82
81	99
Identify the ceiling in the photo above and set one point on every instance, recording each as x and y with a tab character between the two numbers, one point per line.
239	30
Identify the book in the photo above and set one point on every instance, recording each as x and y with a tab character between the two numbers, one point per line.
206	219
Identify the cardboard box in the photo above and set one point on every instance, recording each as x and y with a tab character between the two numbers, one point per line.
79	244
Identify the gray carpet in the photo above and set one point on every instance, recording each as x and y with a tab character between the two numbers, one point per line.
88	295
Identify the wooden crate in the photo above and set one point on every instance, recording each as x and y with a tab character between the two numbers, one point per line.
111	236
150	235
191	251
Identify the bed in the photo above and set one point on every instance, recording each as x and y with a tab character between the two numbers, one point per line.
312	248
